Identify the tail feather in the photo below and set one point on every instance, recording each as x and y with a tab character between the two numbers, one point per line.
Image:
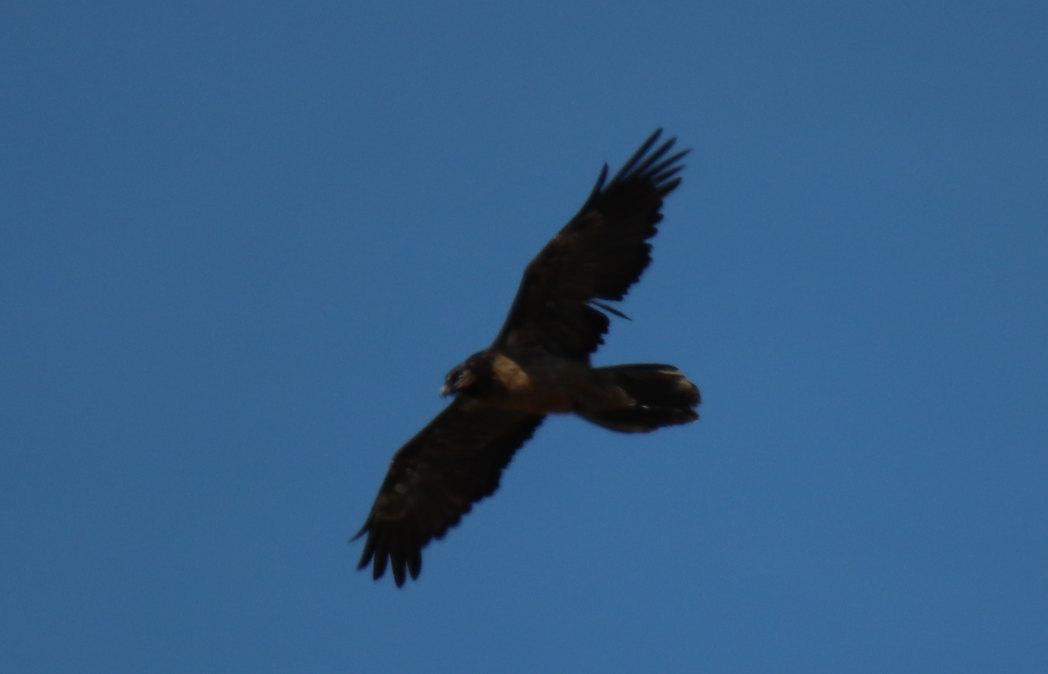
650	396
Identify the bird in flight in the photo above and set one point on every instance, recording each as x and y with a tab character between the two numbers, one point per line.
539	364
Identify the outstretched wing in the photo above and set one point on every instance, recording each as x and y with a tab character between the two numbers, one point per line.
598	255
436	477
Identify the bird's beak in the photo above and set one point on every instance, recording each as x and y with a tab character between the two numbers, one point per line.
445	391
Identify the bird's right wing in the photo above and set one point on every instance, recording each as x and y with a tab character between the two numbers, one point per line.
597	256
455	461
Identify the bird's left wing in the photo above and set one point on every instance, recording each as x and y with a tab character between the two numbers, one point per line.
455	461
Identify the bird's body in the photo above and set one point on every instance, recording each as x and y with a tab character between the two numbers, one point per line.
543	384
539	364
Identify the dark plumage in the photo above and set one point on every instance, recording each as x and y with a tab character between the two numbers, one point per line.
537	365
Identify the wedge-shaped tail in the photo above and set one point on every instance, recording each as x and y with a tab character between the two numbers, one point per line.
652	396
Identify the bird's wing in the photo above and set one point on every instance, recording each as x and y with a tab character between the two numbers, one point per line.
597	256
436	477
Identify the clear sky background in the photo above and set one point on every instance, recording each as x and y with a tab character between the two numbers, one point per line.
242	242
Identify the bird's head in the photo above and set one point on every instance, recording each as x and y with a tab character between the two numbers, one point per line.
472	376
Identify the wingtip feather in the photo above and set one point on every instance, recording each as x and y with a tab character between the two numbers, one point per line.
600	182
367	553
363	530
641	151
380	565
667	167
415	563
397	566
645	167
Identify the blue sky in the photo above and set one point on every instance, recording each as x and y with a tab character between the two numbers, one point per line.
241	244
